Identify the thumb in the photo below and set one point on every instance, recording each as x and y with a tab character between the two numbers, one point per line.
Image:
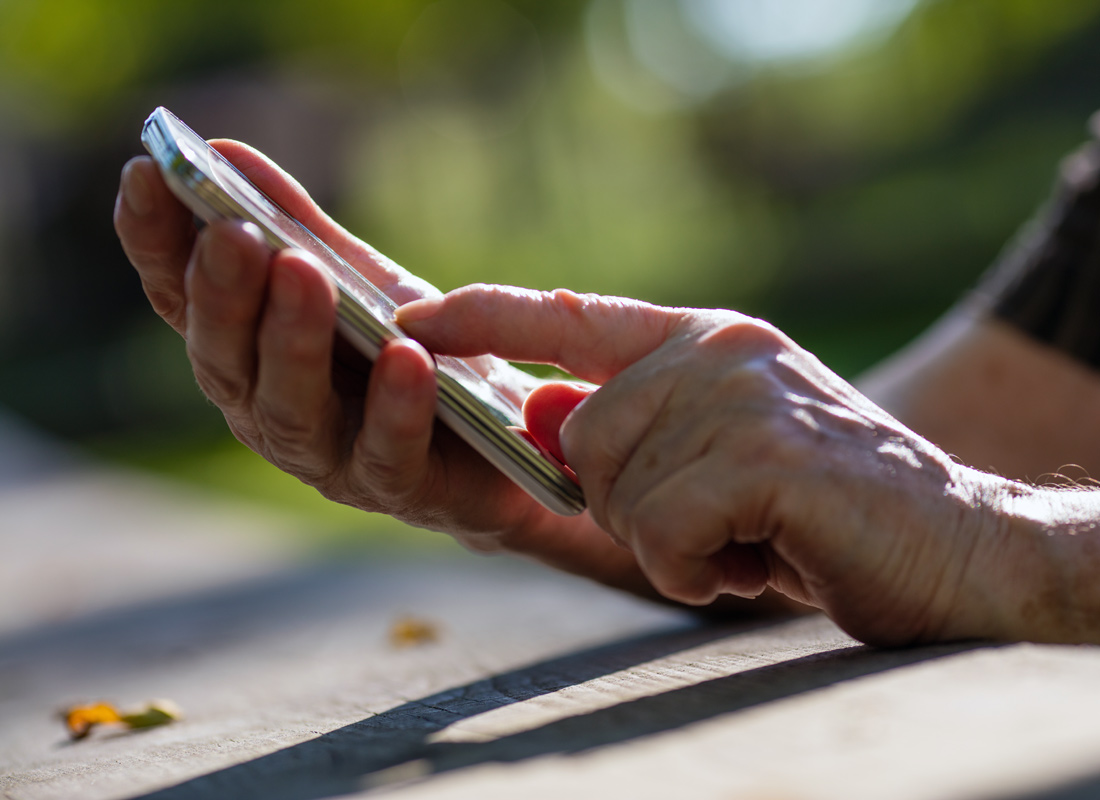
546	408
590	336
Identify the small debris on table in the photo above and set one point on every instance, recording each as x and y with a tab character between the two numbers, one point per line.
80	720
412	631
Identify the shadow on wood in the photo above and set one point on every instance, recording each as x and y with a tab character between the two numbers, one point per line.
1087	788
396	747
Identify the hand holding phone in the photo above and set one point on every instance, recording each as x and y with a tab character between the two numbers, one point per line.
473	407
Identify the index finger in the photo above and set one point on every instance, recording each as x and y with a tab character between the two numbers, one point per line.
590	336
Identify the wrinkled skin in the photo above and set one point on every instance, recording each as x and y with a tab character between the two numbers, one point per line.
729	460
259	333
719	459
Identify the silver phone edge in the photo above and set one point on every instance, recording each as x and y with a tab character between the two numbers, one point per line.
457	407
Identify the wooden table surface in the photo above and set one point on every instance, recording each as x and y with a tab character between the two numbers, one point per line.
538	685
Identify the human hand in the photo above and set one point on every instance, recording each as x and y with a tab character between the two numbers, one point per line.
259	332
728	460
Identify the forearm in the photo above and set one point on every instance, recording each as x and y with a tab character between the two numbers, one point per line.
1039	580
1009	380
995	398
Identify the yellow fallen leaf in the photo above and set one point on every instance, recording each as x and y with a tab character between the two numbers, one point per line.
81	719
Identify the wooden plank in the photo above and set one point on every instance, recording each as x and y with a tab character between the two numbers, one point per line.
539	685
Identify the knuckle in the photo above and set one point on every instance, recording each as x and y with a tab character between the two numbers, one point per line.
756	382
673	564
335	487
245	432
308	473
676	574
395	488
747	336
167	301
572	309
231	393
477	293
287	434
299	458
568	303
681	588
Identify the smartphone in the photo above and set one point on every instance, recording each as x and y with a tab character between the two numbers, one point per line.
469	404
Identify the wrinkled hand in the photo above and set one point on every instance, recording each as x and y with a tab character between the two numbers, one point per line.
259	332
728	460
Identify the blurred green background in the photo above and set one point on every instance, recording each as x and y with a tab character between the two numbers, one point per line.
843	168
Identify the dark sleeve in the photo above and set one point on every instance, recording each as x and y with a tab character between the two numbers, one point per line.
1047	283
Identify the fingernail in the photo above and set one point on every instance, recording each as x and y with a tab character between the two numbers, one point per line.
402	378
136	192
418	310
221	262
286	294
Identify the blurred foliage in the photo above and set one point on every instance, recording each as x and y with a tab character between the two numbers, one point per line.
62	60
848	197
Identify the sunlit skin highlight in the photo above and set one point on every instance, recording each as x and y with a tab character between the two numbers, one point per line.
719	458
